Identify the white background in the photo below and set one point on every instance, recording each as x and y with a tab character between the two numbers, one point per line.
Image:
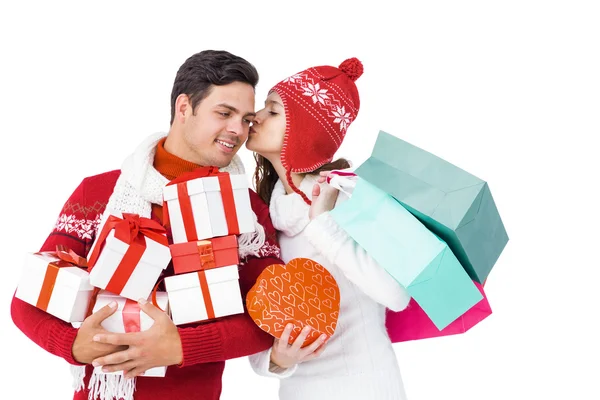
508	90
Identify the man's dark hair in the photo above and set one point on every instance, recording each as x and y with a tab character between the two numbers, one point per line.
200	72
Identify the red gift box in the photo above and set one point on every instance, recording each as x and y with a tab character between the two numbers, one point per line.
205	254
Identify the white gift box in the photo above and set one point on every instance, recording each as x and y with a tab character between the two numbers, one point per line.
68	288
115	323
207	208
187	297
146	272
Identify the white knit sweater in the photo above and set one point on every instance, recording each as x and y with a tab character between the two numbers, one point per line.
359	361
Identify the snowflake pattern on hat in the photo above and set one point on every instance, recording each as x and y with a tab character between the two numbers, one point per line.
329	102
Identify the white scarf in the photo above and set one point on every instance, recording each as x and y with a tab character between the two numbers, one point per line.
138	187
289	212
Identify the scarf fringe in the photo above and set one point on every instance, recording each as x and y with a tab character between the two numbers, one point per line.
103	386
110	386
249	244
78	374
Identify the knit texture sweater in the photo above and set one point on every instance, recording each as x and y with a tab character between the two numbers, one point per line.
358	361
207	345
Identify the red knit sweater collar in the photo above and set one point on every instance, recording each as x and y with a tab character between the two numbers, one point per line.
169	165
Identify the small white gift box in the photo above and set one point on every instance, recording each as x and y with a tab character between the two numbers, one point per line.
208	207
63	291
203	295
126	265
130	318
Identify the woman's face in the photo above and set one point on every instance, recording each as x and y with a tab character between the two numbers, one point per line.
268	129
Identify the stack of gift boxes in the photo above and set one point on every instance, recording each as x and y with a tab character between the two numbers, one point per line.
205	211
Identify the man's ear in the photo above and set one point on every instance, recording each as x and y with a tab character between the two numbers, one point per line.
183	108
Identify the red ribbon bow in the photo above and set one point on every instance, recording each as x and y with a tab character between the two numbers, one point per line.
201	172
131	229
69	256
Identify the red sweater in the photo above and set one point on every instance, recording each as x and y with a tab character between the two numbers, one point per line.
206	346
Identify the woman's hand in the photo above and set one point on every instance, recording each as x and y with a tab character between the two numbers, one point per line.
285	355
323	198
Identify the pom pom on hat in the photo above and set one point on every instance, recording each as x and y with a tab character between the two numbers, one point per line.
352	67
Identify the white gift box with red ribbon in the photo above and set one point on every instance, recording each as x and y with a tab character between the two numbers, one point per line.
128	255
207	203
203	295
55	286
130	318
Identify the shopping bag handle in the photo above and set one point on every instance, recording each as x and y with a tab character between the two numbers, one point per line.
343	180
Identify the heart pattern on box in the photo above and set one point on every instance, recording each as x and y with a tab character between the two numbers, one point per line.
301	292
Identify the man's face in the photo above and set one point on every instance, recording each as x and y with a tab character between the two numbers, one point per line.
219	127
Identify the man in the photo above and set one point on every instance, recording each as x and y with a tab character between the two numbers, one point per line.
212	107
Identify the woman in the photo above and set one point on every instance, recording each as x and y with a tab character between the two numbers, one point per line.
294	139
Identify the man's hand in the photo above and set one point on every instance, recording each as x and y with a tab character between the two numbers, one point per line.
286	356
158	346
84	349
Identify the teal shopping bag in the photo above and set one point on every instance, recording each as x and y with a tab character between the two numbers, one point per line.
452	203
418	259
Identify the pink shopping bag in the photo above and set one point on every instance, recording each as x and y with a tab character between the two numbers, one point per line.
413	324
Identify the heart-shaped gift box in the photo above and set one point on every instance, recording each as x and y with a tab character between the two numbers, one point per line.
302	292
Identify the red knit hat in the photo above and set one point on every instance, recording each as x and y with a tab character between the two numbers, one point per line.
320	104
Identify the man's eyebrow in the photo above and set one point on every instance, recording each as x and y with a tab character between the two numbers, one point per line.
235	110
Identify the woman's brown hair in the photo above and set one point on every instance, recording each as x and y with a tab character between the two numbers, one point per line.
265	176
